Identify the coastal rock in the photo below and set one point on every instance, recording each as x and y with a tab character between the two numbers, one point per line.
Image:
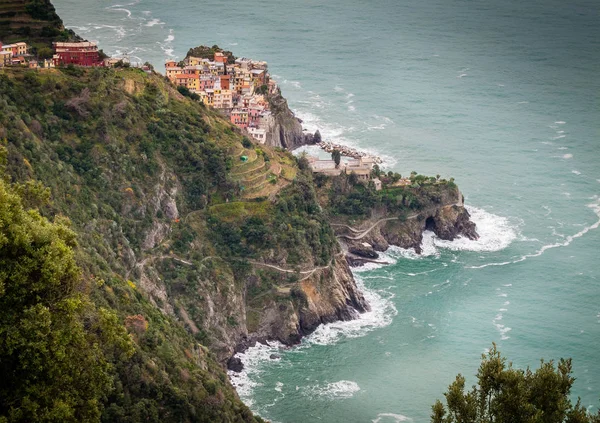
365	251
283	129
447	218
235	364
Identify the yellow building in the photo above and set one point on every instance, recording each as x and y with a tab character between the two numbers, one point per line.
21	48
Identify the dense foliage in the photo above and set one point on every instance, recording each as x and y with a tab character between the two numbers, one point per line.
294	225
57	348
347	196
504	394
117	148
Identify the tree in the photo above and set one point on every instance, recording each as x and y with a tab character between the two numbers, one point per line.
376	171
56	348
505	394
45	53
336	156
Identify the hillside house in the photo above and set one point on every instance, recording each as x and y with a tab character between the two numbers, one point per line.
78	54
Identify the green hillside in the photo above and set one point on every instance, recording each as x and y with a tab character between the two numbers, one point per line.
32	21
170	223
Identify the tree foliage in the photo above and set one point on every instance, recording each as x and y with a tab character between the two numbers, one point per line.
504	394
56	347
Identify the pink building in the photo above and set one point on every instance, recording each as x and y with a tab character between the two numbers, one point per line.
239	118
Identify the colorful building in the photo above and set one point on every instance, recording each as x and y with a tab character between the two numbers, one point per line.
79	54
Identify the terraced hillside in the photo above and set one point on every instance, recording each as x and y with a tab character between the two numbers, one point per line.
262	172
32	21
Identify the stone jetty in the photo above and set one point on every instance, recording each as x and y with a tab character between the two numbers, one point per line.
346	151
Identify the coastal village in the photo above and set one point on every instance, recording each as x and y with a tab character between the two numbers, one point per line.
238	88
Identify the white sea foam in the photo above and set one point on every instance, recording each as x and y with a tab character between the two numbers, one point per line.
154	22
595	206
495	233
245	381
503	331
167	44
336	390
560	122
381	315
576	172
391	418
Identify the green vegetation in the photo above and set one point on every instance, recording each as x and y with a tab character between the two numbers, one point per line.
293	224
336	156
118	149
32	21
152	183
206	52
57	348
346	196
504	394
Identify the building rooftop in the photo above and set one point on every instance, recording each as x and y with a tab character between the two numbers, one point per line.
80	44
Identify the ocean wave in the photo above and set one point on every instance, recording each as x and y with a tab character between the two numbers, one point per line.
254	358
495	234
245	381
595	206
335	390
381	315
154	22
167	44
391	417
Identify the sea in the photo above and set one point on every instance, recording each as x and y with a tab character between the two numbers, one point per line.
501	95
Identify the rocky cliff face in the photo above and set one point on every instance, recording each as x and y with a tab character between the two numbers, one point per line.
448	219
323	296
284	130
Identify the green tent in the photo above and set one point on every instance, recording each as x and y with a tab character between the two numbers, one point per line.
244	158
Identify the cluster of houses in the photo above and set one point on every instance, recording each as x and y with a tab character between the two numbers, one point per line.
238	89
14	54
83	53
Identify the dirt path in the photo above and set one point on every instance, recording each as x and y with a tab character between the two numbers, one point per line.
364	233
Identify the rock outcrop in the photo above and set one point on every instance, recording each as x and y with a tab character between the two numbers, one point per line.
327	295
448	219
283	128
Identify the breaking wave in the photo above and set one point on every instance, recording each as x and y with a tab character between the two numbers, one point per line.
595	206
336	390
381	315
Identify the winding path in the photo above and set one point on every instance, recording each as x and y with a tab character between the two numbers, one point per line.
364	233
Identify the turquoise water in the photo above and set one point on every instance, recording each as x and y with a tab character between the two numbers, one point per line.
503	97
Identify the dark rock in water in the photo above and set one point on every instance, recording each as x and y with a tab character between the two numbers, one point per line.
354	262
274	357
235	364
364	251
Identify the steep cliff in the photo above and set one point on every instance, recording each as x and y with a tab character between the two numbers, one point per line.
283	127
193	238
